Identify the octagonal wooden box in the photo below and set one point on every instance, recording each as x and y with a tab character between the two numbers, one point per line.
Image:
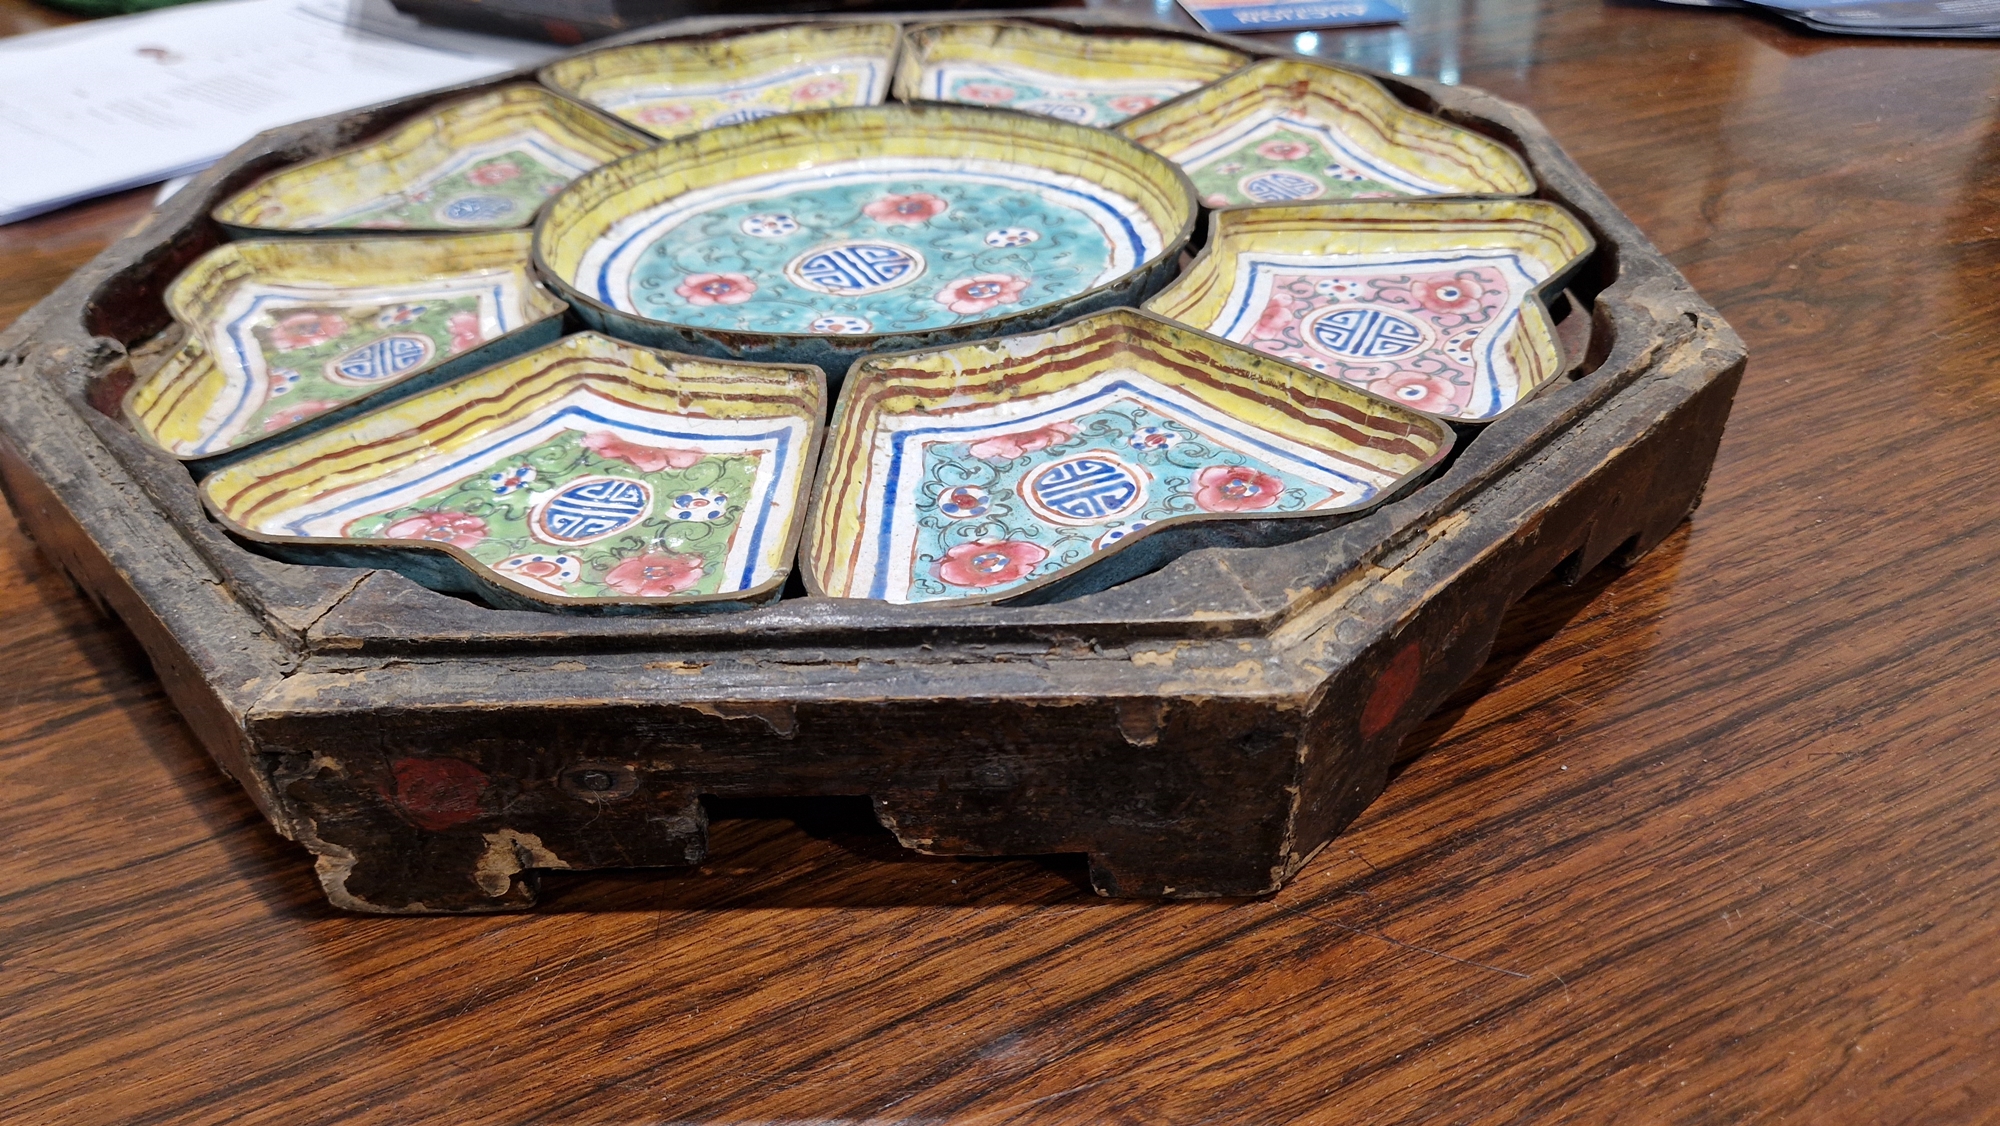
1199	730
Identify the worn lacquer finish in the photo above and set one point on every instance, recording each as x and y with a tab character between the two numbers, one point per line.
585	473
1437	304
818	237
678	86
1098	77
284	336
482	163
1287	129
984	470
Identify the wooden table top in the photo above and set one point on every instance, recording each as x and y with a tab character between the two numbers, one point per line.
1713	840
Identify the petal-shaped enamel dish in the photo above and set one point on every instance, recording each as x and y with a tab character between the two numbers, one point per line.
985	471
586	474
1437	304
483	163
818	237
286	336
1286	129
1097	77
678	86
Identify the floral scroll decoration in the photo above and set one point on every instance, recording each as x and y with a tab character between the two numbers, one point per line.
589	514
990	517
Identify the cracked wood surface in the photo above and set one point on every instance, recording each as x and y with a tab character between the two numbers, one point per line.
1707	841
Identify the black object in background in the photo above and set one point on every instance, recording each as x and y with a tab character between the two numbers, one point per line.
576	21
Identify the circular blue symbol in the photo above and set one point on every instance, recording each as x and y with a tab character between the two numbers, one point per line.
1276	187
739	116
479	209
1083	490
1082	113
591	508
381	359
1365	333
850	269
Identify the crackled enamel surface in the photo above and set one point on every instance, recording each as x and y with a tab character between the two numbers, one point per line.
1285	130
282	333
1435	304
1098	78
483	163
975	472
680	86
585	471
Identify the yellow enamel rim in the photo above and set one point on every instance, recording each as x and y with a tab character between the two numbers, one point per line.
1107	53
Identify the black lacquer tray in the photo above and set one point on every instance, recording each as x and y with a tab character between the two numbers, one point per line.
1199	729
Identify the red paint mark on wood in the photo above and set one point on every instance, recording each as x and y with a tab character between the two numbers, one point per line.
1393	689
438	793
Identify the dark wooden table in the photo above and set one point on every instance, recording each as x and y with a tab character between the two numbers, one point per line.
1714	840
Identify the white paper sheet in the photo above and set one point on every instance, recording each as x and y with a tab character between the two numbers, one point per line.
98	107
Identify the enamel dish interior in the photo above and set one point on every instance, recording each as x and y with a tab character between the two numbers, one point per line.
282	335
892	220
483	163
679	86
982	470
1285	129
585	472
1437	304
395	390
1098	78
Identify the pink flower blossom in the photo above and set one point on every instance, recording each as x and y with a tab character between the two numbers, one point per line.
298	412
494	172
1282	150
716	289
382	224
459	528
990	92
1235	488
464	328
663	115
650	459
1447	293
917	207
989	563
655	573
978	294
1424	392
818	89
1216	199
304	330
1277	317
1007	447
1129	104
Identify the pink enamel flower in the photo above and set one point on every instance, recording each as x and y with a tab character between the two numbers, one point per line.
1236	488
494	172
1447	293
978	294
650	459
989	563
991	93
464	329
1129	104
459	528
1007	447
1282	150
818	89
1424	392
663	115
304	330
1277	317
716	289
917	207
298	412
655	573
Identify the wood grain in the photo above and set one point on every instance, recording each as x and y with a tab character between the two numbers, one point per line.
1708	841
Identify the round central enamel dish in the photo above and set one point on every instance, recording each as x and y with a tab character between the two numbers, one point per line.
820	237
